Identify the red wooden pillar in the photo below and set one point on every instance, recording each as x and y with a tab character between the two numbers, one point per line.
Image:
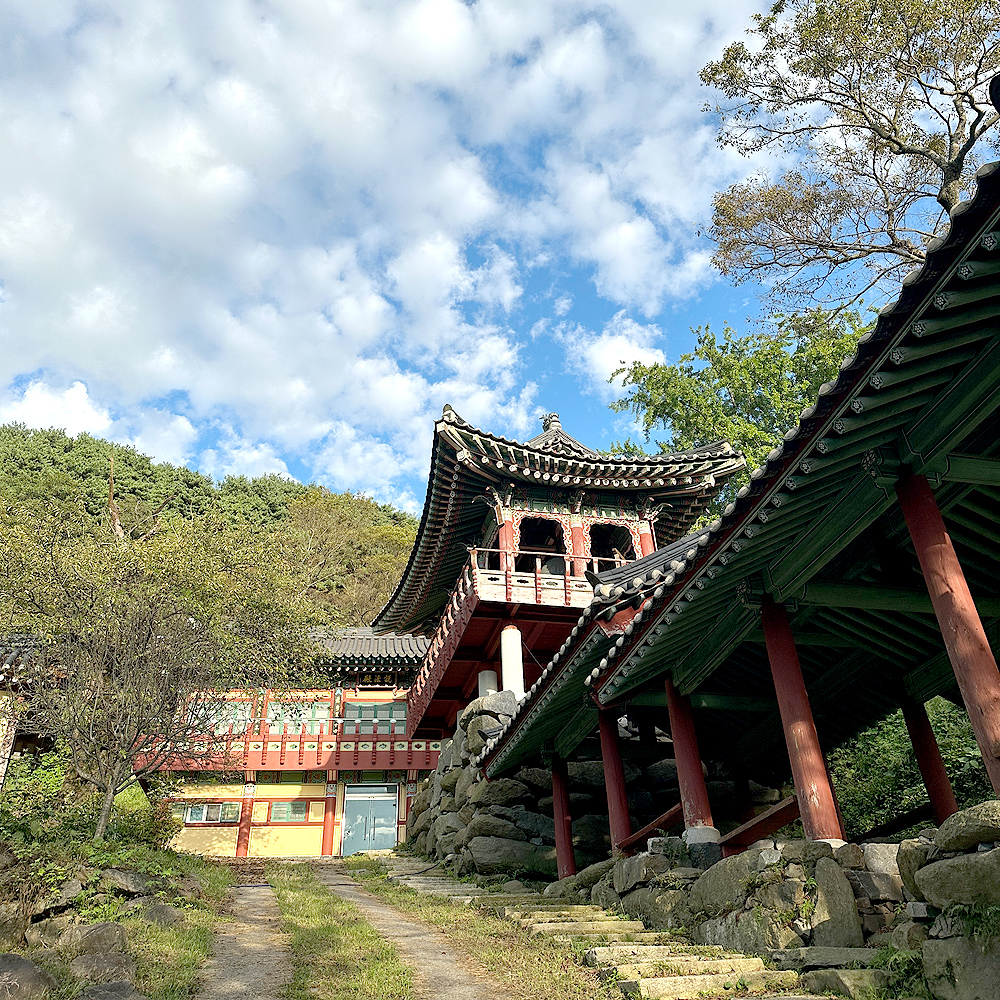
565	858
698	825
932	768
329	814
614	777
646	544
579	555
964	638
243	833
817	805
506	539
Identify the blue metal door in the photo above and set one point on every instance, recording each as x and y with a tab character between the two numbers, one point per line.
369	818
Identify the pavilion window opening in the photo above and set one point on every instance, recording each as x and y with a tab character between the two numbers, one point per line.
541	545
610	546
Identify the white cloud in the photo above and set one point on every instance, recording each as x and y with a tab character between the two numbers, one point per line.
596	356
70	409
316	223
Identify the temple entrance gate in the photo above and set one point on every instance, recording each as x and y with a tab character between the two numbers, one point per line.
369	818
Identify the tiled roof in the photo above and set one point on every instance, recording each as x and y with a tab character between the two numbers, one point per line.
367	647
467	463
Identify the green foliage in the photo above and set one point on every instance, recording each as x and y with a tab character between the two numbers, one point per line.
876	773
881	105
905	971
980	922
746	389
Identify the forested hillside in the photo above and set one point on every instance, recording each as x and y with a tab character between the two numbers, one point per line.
343	550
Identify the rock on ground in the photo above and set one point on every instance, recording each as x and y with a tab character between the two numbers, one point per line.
912	856
25	980
108	968
969	827
835	921
723	887
94	939
130	883
756	931
493	855
112	991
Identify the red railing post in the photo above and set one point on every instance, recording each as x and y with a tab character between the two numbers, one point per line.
565	857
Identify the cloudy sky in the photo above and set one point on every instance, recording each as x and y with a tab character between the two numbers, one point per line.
279	235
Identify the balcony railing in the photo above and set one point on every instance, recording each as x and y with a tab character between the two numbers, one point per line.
527	576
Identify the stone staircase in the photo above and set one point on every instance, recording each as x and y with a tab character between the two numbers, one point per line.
643	963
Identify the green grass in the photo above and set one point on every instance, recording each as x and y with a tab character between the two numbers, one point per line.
337	955
525	967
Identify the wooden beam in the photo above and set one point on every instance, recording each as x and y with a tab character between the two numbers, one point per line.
705	699
876	597
971	470
904	822
810	639
670	820
760	826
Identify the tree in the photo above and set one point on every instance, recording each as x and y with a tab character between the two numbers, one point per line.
745	389
876	772
347	550
883	106
141	640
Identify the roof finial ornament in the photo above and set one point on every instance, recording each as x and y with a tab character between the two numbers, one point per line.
551	422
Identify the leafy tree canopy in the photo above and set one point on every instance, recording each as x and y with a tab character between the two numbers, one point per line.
746	389
883	108
344	551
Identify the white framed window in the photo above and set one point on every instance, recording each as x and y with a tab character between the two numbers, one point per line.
213	812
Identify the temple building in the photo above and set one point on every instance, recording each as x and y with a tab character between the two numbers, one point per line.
510	536
317	772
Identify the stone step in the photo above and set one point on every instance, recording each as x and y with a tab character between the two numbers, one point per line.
585	927
539	914
822	958
684	965
698	987
623	953
638	937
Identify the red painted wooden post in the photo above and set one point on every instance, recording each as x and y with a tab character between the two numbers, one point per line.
614	777
243	834
690	776
817	806
968	648
646	543
932	768
565	858
579	556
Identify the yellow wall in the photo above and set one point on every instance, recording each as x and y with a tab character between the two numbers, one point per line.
316	811
289	841
282	792
219	840
214	792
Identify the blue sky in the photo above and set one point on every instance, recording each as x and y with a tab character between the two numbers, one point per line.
278	235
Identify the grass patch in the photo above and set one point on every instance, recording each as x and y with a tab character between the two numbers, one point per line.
337	955
526	967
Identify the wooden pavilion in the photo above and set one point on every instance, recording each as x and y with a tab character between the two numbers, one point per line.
497	575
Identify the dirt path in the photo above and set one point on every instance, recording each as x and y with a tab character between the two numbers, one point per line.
251	959
440	973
